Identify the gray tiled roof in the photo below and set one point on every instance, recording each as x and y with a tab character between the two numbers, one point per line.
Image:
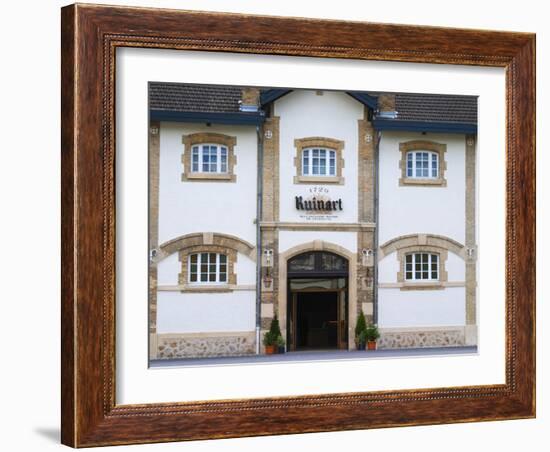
428	108
194	98
436	108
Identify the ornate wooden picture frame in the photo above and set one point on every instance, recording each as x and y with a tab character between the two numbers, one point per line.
90	37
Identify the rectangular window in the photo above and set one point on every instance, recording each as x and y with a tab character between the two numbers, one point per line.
421	267
434	165
223	160
195	159
422	165
213	159
209	158
223	267
318	162
207	268
332	163
315	162
305	163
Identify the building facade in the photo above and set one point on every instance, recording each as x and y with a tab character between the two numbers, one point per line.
309	206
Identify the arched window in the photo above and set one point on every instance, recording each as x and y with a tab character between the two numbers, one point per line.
321	262
423	164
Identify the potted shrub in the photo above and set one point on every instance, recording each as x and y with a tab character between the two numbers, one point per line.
270	343
271	337
362	340
360	327
371	335
280	344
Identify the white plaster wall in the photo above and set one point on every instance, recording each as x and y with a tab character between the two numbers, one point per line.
289	239
456	267
245	269
186	207
305	114
204	313
409	308
169	268
413	210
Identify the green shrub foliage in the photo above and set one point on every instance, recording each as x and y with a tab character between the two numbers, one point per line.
361	324
274	329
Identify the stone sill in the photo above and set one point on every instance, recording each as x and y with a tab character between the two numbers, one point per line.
422	182
318	180
422	286
205	177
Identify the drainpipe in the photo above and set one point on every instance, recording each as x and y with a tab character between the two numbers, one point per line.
376	222
259	237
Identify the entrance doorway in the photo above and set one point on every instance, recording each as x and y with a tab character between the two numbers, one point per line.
318	309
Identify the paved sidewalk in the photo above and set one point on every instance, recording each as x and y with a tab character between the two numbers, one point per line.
308	356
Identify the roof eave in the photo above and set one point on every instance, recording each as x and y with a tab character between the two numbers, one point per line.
424	126
364	98
272	95
203	117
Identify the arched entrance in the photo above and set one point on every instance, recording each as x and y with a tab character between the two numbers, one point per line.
318	311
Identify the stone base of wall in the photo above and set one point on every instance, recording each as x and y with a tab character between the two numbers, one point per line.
205	346
421	338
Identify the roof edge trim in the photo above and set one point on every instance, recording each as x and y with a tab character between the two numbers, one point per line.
217	118
423	126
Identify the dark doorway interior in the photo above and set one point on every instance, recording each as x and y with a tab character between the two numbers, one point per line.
317	320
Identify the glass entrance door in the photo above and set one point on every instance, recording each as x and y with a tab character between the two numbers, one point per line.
317	314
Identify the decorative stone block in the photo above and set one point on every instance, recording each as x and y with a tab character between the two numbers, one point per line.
205	346
421	339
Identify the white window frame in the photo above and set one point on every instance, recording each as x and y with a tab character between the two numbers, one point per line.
199	273
413	269
412	157
198	151
330	162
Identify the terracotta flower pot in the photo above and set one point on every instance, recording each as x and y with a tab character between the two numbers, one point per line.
270	349
371	345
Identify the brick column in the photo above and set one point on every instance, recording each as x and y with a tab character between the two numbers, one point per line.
365	238
154	157
270	213
471	246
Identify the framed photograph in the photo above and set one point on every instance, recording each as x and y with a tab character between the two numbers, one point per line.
267	231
